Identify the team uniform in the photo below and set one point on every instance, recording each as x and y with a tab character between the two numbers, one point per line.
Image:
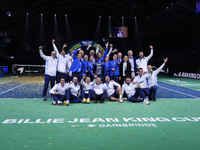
110	89
76	67
58	98
50	72
73	94
114	75
99	92
142	81
152	82
142	63
62	65
133	93
86	91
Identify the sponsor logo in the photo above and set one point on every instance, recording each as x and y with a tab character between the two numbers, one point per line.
105	122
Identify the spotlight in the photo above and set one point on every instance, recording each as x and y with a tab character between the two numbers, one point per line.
171	3
122	17
148	16
135	17
55	15
167	7
27	13
41	14
65	15
99	16
109	16
9	14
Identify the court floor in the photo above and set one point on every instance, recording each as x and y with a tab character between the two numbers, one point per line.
27	122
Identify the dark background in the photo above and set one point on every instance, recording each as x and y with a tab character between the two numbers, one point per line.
173	31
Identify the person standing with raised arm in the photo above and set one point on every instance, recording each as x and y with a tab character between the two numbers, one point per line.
50	70
76	66
152	80
63	60
143	61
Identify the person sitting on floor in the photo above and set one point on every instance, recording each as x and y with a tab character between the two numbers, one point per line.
86	91
73	92
114	95
133	92
59	92
99	91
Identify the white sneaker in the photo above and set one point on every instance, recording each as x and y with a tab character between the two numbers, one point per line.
147	99
67	103
146	102
59	103
121	100
53	103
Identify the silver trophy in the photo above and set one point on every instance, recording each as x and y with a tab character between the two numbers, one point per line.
99	68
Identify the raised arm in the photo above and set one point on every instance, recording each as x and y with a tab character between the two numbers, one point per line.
74	53
111	48
82	80
97	49
151	53
55	48
160	68
41	53
95	78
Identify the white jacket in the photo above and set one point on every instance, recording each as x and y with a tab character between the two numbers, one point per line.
50	65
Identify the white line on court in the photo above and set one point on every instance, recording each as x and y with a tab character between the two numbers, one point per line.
178	92
179	86
12	89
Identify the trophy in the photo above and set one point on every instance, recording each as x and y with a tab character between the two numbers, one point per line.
99	68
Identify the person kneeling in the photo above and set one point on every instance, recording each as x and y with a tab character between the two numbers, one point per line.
114	95
59	92
133	92
73	92
99	91
86	92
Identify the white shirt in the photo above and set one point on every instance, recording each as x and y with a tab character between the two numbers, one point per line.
129	89
132	63
62	61
110	88
99	88
87	87
152	77
141	80
124	68
59	88
50	65
68	66
142	63
75	89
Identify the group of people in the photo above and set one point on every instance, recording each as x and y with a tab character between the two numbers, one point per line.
83	76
